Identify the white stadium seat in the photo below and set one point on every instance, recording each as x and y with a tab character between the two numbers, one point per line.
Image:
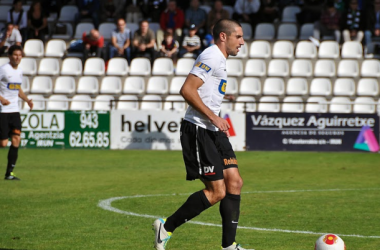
306	49
133	27
157	85
368	87
227	105
250	86
67	35
302	68
64	85
38	102
34	48
176	84
316	105
140	67
28	66
67	13
234	67
269	104
260	49
103	102
287	31
274	86
365	105
25	85
58	102
247	31
278	67
297	86
348	68
320	87
344	87
243	52
324	68
184	65
328	49
4	60
175	102
151	102
81	28
55	48
283	49
110	85
370	68
42	85
117	66
264	31
340	105
81	102
128	102
249	106
71	66
289	14
134	85
232	86
163	66
49	66
293	104
255	67
94	67
306	31
352	49
88	85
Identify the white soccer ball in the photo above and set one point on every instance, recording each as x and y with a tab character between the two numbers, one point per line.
330	242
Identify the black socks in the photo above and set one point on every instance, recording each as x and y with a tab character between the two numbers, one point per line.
12	158
229	210
195	204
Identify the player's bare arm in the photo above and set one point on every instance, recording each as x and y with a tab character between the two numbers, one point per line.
4	101
22	95
189	91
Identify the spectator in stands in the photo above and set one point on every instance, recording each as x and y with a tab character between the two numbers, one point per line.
169	47
120	42
373	23
246	11
216	14
143	42
191	43
194	15
37	22
134	11
172	21
269	11
88	9
17	16
9	37
311	11
93	43
329	25
353	23
112	9
208	40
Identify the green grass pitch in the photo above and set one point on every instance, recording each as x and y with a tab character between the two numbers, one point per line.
55	205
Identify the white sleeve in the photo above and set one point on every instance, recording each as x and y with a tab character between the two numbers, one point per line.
204	66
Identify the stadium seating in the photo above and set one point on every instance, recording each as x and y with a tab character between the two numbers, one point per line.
28	66
274	86
306	31
134	85
249	106
289	14
247	31
260	49
348	68
302	68
352	49
255	67
81	102
64	85
287	31
68	32
151	102
264	31
81	28
278	67
117	66
88	85
170	103
71	66
157	85
344	87
103	102
176	84
340	105
184	65
329	49
42	85
34	48
58	102
250	86
106	30
4	60
364	105
140	67
94	67
243	52
297	86
227	105
283	49
67	13
110	85
163	66
306	49
316	105
234	67
292	104
128	102
55	48
324	68
368	87
38	102
49	66
370	68
320	87
269	104
25	85
232	86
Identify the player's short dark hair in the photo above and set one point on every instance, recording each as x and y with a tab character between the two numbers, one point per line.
226	26
13	48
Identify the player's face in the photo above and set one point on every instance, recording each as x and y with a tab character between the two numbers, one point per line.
15	58
234	41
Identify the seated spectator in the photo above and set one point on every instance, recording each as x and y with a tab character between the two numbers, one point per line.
17	16
88	9
246	11
216	14
93	43
169	47
194	15
9	37
353	23
143	42
171	20
37	22
120	42
373	23
269	11
329	25
311	11
191	43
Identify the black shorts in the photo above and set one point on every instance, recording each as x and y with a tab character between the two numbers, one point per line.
10	124
206	153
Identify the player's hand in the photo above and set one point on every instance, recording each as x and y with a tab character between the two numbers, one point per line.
221	124
5	102
30	104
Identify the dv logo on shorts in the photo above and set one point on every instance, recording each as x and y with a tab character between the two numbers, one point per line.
209	170
222	86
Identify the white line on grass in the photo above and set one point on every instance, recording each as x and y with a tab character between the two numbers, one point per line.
107	205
